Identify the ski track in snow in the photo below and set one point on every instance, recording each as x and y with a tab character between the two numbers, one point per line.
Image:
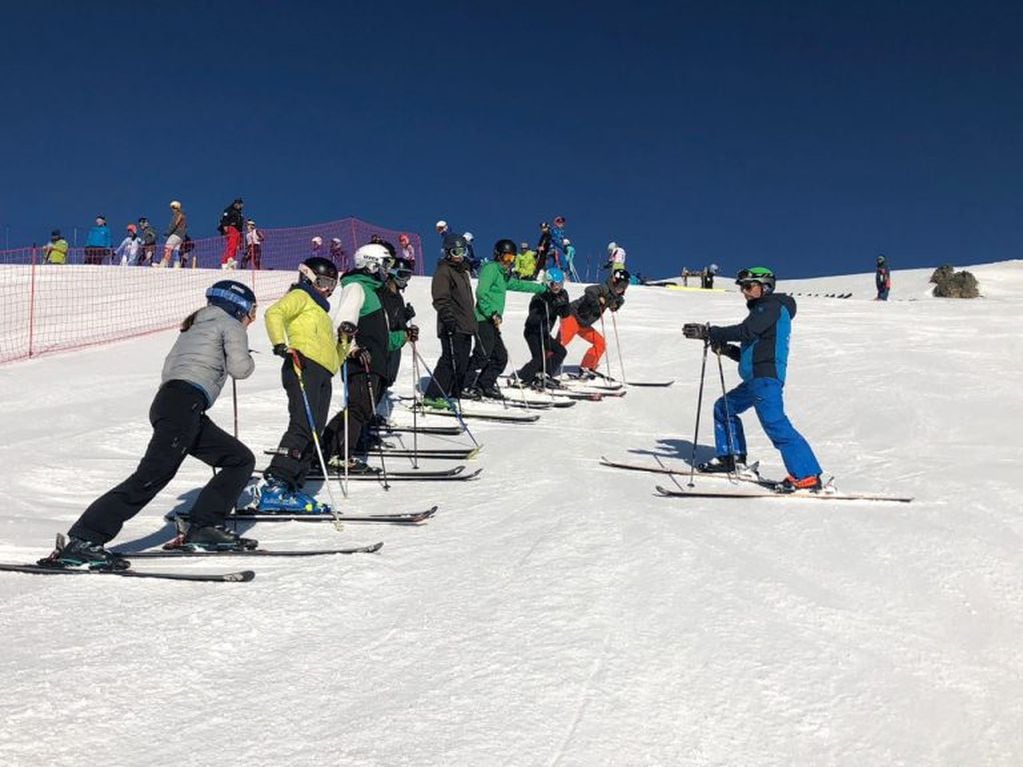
556	612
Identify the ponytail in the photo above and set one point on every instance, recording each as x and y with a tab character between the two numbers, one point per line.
186	324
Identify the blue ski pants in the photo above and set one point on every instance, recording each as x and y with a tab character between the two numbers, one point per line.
765	396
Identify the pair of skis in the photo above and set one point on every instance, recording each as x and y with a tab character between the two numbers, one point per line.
254	515
761	487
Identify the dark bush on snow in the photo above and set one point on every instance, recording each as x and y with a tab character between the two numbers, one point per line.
948	283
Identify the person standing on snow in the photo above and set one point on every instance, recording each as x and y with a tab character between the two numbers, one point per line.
615	257
55	251
128	250
364	338
471	257
176	231
147	234
456	324
882	278
213	344
408	251
231	223
569	265
558	241
97	242
253	246
525	263
302	333
491	356
544	310
762	355
589	308
543	251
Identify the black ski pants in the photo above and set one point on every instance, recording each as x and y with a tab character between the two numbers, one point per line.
490	357
180	429
450	373
538	347
360	410
296	449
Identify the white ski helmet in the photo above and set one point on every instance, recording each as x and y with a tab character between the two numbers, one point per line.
175	205
317	241
611	247
373	258
468	236
566	241
442	224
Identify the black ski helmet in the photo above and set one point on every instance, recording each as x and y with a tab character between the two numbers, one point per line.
320	272
881	259
455	248
233	297
504	248
400	271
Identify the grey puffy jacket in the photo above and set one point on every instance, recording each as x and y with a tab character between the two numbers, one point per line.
215	346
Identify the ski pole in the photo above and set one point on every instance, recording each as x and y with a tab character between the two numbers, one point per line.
699	406
728	415
373	409
415	413
445	395
316	437
344	384
618	345
234	402
607	357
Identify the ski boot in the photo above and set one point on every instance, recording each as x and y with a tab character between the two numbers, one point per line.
491	392
790	484
436	403
85	555
216	539
723	464
550	382
586	374
276	497
473	393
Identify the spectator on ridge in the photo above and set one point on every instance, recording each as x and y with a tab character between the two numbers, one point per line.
231	221
408	251
128	250
55	251
882	278
147	235
97	242
253	246
176	231
338	255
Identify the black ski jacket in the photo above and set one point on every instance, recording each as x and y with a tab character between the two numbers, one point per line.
588	308
544	310
453	299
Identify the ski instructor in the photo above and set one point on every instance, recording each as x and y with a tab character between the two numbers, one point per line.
762	355
212	345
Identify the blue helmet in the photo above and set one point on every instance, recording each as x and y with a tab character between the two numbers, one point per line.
555	276
233	297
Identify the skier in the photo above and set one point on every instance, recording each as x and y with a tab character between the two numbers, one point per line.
231	222
97	242
707	276
548	353
525	262
254	238
364	336
301	331
589	308
337	254
456	324
128	250
473	259
543	250
762	355
558	241
615	257
882	278
213	344
176	231
569	264
408	251
148	237
490	356
399	315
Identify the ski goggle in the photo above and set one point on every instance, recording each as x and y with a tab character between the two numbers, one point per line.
752	275
324	282
457	252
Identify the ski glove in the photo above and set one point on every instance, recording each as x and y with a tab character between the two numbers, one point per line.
362	357
281	350
412	331
346	331
448	327
409	312
696	330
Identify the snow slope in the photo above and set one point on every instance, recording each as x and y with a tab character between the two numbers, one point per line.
557	612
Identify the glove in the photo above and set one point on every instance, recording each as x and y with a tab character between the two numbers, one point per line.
281	350
696	330
448	327
362	357
496	319
346	331
412	332
409	312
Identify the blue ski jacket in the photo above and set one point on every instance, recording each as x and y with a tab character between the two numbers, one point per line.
763	337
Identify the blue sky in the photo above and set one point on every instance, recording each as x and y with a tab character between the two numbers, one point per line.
804	136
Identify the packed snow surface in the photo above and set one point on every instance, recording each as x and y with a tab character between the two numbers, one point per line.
557	612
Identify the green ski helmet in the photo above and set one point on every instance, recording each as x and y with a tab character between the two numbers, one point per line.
760	274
